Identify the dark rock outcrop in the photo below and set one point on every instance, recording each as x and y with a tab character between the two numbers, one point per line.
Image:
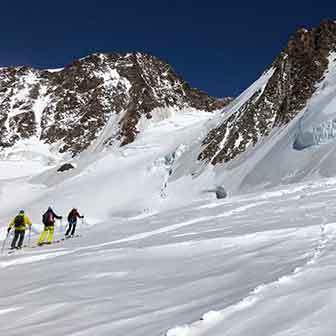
65	167
221	192
71	107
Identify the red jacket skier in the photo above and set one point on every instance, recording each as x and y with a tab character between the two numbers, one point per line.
72	220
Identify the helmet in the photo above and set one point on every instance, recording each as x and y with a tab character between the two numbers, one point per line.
21	212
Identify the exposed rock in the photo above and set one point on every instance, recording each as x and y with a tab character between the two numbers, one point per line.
72	106
297	71
65	167
221	192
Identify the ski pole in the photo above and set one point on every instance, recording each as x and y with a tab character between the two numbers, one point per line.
65	229
60	229
84	222
82	226
4	243
29	237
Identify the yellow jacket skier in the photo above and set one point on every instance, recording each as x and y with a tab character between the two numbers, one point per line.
20	223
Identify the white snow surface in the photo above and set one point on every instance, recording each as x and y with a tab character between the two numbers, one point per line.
148	264
263	263
158	254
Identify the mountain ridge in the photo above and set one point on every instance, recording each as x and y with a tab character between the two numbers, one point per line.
297	71
71	105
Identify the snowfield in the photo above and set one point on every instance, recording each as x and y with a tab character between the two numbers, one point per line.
263	263
157	253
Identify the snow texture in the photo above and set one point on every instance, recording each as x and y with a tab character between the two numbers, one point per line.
160	255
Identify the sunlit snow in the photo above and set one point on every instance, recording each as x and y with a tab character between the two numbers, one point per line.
158	253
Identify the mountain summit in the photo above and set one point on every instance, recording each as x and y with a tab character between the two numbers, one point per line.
70	107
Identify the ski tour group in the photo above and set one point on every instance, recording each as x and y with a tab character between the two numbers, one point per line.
21	222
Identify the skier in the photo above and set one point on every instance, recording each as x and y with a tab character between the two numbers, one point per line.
72	220
48	220
20	223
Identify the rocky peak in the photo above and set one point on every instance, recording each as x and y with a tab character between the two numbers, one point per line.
295	75
71	106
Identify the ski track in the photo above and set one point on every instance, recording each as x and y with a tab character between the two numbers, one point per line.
179	225
212	318
32	259
9	310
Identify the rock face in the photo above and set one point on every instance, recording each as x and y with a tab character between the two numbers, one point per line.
71	106
221	192
65	167
296	73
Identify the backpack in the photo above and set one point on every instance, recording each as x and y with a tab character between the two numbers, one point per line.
72	216
47	218
19	221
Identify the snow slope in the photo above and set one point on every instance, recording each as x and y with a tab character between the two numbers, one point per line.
155	258
303	150
158	254
262	263
133	177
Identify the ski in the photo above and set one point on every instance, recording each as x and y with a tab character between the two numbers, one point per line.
46	244
70	237
11	251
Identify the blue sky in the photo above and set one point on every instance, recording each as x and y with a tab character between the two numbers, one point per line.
219	47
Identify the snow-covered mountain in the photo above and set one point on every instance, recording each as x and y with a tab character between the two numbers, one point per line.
158	253
292	80
282	128
107	96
